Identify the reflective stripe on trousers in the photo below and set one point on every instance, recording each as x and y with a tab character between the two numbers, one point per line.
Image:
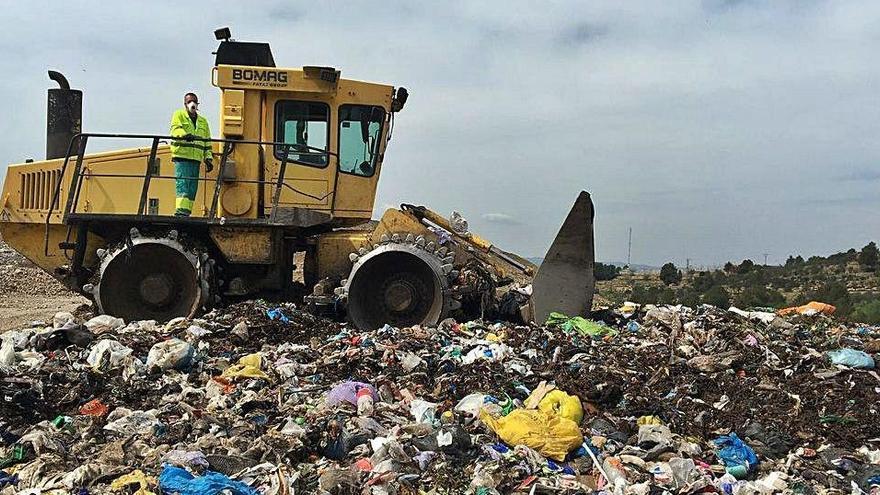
186	184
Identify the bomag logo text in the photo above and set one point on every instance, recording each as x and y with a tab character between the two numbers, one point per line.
258	77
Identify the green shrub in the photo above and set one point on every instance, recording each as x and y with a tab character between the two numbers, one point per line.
759	296
704	281
669	274
869	257
834	293
746	266
641	294
605	272
688	296
652	295
867	312
717	296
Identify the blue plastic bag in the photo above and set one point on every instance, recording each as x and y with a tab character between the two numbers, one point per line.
737	457
180	481
8	479
558	467
851	358
277	314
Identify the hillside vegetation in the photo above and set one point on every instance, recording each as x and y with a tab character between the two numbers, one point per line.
849	280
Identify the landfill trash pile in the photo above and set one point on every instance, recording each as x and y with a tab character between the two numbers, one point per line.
27	292
271	400
20	276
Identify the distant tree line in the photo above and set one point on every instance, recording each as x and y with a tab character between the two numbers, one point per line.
749	285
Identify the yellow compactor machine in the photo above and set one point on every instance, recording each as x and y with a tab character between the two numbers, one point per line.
297	163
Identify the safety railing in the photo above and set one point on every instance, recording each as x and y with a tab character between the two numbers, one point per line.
80	141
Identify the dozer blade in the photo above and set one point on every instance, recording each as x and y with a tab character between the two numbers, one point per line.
564	281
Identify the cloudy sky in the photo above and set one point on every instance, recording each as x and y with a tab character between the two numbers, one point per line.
714	129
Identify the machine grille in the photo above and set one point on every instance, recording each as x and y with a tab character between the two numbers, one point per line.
37	189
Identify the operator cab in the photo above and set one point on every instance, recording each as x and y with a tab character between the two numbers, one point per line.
330	133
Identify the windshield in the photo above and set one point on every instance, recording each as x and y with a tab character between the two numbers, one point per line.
304	125
360	127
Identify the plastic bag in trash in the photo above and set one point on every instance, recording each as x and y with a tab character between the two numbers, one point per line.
653	434
471	404
737	457
7	353
85	474
851	358
136	477
62	318
580	325
108	354
423	411
69	334
559	402
409	361
127	422
347	392
247	367
195	332
172	353
684	471
18	338
104	323
292	428
458	223
277	314
180	481
551	435
337	442
185	458
809	309
761	316
94	407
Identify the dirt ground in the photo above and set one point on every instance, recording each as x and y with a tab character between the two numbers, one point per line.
27	293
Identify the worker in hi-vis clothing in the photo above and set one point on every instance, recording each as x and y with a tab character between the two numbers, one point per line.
187	152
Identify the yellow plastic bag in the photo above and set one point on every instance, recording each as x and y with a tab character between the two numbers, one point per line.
562	404
649	420
551	435
248	367
136	477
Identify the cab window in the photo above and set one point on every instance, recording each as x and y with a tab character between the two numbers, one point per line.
360	127
304	125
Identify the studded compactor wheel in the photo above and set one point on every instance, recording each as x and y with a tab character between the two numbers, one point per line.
151	278
400	282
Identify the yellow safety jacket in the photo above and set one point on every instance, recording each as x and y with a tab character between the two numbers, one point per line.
181	125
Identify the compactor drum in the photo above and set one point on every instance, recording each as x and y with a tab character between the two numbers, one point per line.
285	214
154	278
398	283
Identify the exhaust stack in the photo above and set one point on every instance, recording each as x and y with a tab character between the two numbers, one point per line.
63	117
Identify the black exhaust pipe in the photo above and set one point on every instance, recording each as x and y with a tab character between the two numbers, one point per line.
63	117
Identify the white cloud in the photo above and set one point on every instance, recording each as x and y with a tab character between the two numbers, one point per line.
500	218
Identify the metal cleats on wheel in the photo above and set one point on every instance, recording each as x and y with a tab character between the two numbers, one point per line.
402	281
151	278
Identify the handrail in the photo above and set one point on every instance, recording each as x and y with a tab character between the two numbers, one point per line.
196	138
81	139
56	195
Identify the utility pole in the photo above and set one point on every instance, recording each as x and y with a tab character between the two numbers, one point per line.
629	248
